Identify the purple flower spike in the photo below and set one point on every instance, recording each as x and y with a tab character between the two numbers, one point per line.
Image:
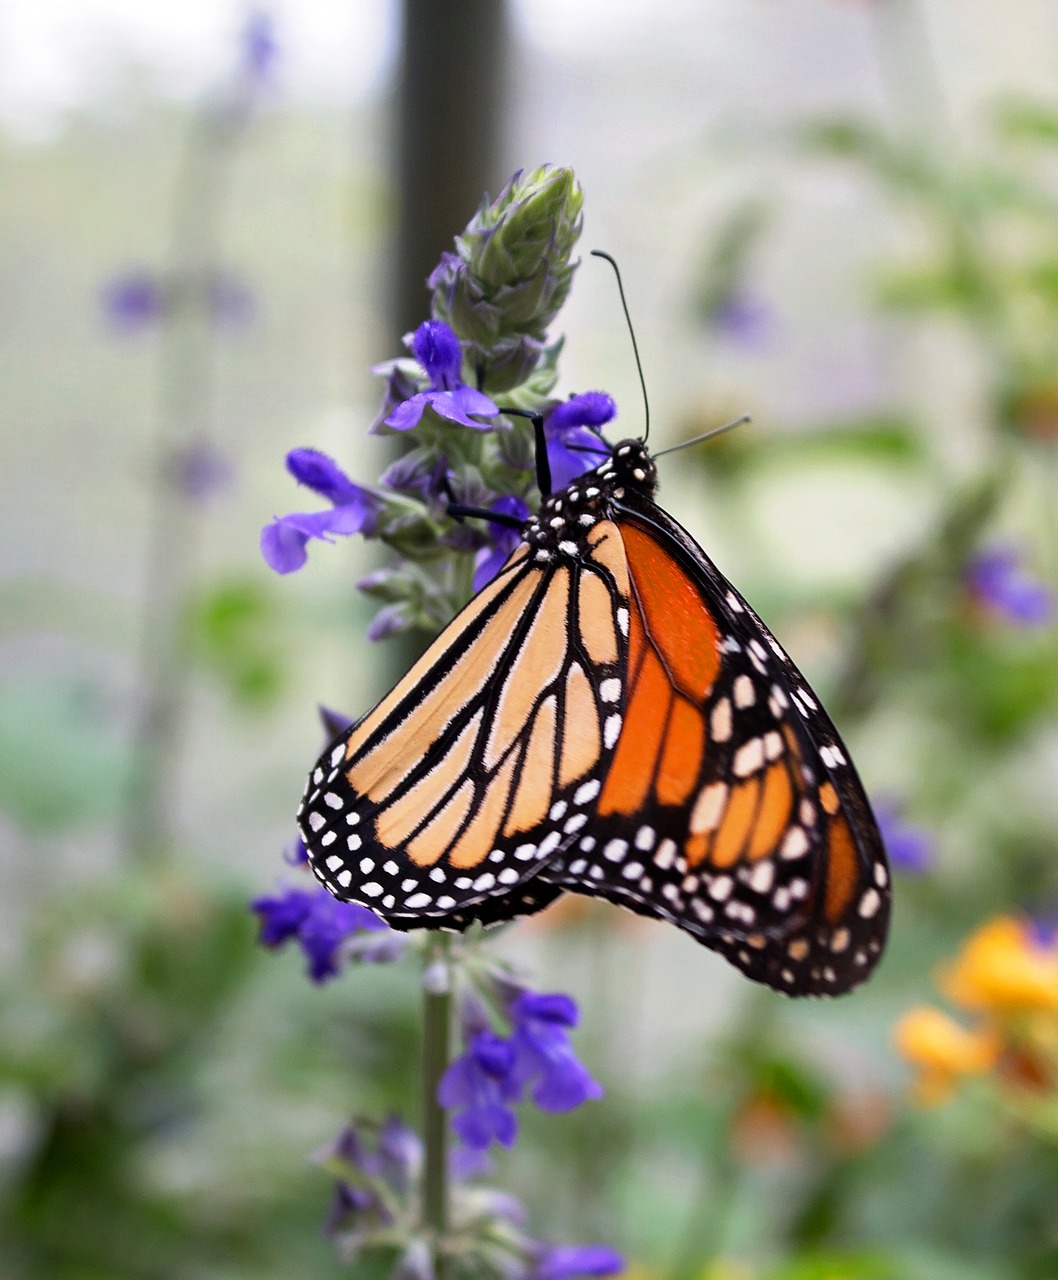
560	1262
320	923
1000	584
572	448
544	1054
437	349
479	1087
910	848
284	542
502	541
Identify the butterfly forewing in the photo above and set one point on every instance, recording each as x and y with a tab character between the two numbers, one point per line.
442	804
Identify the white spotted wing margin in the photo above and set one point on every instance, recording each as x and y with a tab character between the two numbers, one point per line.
808	916
440	806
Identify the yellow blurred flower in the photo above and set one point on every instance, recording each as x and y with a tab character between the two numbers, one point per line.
1003	970
943	1051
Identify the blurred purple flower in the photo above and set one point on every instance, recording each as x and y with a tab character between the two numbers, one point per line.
320	924
437	349
387	1158
134	300
229	300
296	855
743	319
1043	929
910	848
572	448
201	472
260	48
502	541
543	1053
479	1087
355	509
556	1262
1000	584
420	474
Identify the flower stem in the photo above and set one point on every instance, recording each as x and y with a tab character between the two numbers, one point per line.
437	1019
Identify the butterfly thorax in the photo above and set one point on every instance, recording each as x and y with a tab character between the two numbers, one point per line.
566	517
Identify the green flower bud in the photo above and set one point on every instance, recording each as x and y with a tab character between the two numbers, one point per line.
511	270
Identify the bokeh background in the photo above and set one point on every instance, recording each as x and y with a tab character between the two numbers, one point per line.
839	216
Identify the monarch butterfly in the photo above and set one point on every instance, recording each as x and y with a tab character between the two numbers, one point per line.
609	717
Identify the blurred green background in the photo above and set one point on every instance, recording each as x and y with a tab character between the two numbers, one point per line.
840	216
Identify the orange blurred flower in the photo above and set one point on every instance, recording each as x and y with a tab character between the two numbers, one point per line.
943	1051
1004	971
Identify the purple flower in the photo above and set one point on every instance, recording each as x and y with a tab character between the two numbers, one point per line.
556	1262
543	1052
321	924
743	319
479	1087
355	509
1002	586
437	349
491	559
228	300
296	855
572	448
260	48
421	474
379	1163
201	472
909	848
135	300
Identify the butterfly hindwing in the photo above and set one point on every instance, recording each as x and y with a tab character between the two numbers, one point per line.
441	805
729	807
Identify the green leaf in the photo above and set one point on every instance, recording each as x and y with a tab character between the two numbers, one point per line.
235	630
61	760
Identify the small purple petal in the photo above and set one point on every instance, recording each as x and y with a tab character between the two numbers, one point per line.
491	559
589	409
554	1007
322	474
437	349
284	541
281	917
544	1054
572	447
296	855
135	300
457	405
1000	583
334	722
557	1263
910	848
318	921
407	416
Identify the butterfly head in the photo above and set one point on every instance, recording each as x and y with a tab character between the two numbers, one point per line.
629	466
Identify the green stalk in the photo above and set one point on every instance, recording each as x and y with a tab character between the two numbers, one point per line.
437	1021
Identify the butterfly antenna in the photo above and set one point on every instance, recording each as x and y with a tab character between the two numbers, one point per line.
707	435
599	253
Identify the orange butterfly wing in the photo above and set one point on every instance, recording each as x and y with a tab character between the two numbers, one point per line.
729	807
